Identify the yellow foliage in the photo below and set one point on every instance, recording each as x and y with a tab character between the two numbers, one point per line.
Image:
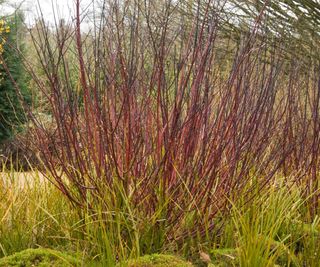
4	29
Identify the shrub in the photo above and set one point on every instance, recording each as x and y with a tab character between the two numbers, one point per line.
151	129
156	134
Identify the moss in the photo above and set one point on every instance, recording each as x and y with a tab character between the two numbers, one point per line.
38	257
158	260
224	258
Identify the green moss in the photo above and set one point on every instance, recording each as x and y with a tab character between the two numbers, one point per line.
224	258
38	257
158	260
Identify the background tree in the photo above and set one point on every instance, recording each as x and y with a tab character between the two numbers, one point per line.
12	75
295	23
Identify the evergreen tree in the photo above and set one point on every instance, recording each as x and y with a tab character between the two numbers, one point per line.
11	111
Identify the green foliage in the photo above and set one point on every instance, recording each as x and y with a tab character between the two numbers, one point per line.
38	257
11	109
